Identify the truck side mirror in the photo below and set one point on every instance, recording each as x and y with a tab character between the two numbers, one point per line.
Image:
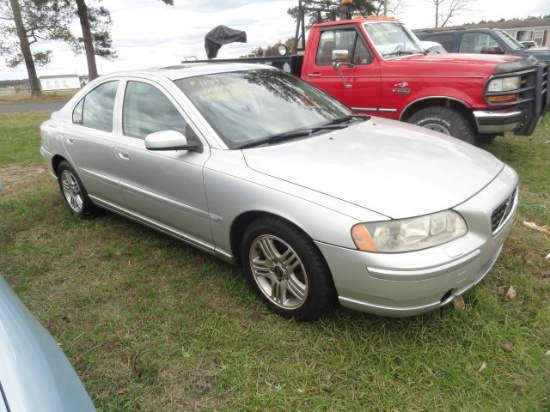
341	57
492	50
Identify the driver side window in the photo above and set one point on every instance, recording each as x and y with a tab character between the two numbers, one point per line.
346	39
478	43
148	110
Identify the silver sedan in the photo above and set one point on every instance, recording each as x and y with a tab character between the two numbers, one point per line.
319	204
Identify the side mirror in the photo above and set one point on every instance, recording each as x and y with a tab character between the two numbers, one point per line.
167	140
339	58
492	50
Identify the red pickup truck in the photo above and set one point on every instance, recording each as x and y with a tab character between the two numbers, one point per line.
377	66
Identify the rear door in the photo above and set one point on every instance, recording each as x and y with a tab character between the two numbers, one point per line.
88	140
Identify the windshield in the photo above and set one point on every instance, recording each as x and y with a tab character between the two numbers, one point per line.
250	106
392	39
509	40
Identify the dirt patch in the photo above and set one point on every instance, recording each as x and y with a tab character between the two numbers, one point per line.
18	179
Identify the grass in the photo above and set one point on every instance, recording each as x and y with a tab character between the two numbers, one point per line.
151	324
46	97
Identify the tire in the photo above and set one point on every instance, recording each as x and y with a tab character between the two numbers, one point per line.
286	270
445	120
73	191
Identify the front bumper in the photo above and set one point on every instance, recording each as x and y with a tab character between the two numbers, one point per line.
407	284
498	122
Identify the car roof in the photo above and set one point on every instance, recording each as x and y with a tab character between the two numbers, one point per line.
190	69
454	29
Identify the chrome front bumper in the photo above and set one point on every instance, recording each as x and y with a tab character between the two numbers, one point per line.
493	122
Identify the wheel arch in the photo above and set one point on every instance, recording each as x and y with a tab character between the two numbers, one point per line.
241	223
321	292
56	161
456	104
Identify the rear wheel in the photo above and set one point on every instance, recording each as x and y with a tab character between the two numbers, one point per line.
73	191
445	120
286	270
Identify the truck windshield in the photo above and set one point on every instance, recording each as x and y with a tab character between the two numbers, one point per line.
392	39
509	40
249	106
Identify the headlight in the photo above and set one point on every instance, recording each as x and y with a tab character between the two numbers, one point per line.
406	235
504	84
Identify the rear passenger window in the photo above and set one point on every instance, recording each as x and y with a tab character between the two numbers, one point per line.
477	43
446	40
96	109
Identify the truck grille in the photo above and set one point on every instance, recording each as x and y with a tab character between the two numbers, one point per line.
533	95
501	214
545	89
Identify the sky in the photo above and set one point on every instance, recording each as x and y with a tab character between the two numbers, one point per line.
150	33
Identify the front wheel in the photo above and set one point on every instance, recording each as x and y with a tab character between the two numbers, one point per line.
73	191
286	270
445	120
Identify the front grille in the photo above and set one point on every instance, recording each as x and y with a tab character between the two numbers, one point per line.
533	95
545	89
500	215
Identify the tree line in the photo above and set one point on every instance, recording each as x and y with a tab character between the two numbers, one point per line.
325	10
25	22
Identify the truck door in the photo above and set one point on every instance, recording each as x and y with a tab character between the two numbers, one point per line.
360	87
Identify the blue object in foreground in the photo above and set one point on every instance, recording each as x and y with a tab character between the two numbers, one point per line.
35	374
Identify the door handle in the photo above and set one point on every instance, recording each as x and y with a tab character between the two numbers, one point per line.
68	139
121	153
311	75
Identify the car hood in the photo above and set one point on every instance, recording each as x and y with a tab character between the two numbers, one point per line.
541	54
386	166
446	65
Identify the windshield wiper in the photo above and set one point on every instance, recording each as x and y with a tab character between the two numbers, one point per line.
303	132
349	118
403	53
293	134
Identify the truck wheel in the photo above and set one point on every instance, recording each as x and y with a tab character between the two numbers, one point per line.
445	120
286	270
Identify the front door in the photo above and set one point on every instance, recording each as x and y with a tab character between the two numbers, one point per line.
360	86
164	188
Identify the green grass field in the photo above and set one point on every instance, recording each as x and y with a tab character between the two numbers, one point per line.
151	324
46	97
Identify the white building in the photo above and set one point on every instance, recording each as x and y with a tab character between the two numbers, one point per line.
59	82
